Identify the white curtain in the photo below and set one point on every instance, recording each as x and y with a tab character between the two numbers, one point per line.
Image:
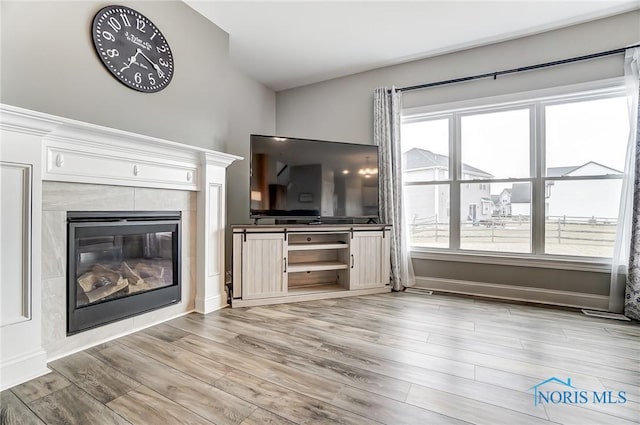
625	275
386	134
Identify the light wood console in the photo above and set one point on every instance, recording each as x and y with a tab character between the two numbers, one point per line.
286	263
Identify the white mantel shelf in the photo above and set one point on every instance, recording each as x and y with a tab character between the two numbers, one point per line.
37	147
79	152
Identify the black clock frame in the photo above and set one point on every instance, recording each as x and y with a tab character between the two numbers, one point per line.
132	48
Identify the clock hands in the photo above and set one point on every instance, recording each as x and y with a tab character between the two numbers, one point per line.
132	59
156	67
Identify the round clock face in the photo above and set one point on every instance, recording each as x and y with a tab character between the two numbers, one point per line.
132	48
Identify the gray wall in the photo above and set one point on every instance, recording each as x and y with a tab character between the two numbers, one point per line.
341	109
49	64
251	111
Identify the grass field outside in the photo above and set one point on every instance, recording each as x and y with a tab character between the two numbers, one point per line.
576	237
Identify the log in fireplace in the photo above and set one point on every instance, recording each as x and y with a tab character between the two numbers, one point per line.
120	264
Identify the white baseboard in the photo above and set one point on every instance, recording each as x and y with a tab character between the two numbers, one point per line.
205	306
23	368
515	293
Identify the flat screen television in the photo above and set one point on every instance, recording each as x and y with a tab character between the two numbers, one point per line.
301	178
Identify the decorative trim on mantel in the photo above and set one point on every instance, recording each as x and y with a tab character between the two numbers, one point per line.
74	151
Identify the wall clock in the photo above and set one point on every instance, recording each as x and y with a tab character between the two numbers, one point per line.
132	48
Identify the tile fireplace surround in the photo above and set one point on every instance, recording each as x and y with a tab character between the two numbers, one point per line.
57	199
51	165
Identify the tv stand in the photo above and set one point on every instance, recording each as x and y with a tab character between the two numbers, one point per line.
275	264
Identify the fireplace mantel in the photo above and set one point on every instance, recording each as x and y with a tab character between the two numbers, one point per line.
79	152
37	148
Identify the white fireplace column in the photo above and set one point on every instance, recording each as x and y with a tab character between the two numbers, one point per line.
210	291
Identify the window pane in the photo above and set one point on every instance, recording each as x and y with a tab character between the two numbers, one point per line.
581	217
587	138
495	145
427	212
425	147
495	217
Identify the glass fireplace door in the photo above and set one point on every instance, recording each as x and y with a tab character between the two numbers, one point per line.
121	264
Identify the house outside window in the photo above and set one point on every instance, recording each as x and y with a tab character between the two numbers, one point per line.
539	177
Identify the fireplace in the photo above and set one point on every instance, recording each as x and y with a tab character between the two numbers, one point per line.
120	264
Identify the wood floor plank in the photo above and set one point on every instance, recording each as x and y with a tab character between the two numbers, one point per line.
628	330
199	367
194	324
299	363
522	382
101	381
466	409
73	406
370	405
289	404
100	347
419	360
513	360
40	387
359	324
574	415
491	394
632	391
622	341
296	379
291	321
201	398
14	412
368	350
334	325
608	356
405	374
572	317
387	410
248	325
420	318
628	411
264	417
165	332
143	406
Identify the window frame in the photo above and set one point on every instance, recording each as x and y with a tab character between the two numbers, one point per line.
536	101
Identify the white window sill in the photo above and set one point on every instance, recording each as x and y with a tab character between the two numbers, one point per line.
600	265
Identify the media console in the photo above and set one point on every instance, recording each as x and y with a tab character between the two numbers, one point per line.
284	263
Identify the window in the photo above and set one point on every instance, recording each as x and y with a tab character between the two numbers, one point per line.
426	147
586	144
536	177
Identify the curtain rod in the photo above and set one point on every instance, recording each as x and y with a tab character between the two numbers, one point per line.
514	70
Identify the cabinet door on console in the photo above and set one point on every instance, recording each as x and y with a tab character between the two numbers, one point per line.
369	260
264	266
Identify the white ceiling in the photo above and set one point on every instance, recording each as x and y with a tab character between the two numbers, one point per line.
292	43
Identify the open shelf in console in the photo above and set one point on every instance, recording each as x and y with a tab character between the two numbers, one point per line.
315	289
314	266
310	247
311	252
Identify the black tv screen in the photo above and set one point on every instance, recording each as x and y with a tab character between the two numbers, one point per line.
293	177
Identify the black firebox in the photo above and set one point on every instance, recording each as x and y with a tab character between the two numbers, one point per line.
120	264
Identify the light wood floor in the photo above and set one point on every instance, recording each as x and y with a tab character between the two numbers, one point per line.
395	358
